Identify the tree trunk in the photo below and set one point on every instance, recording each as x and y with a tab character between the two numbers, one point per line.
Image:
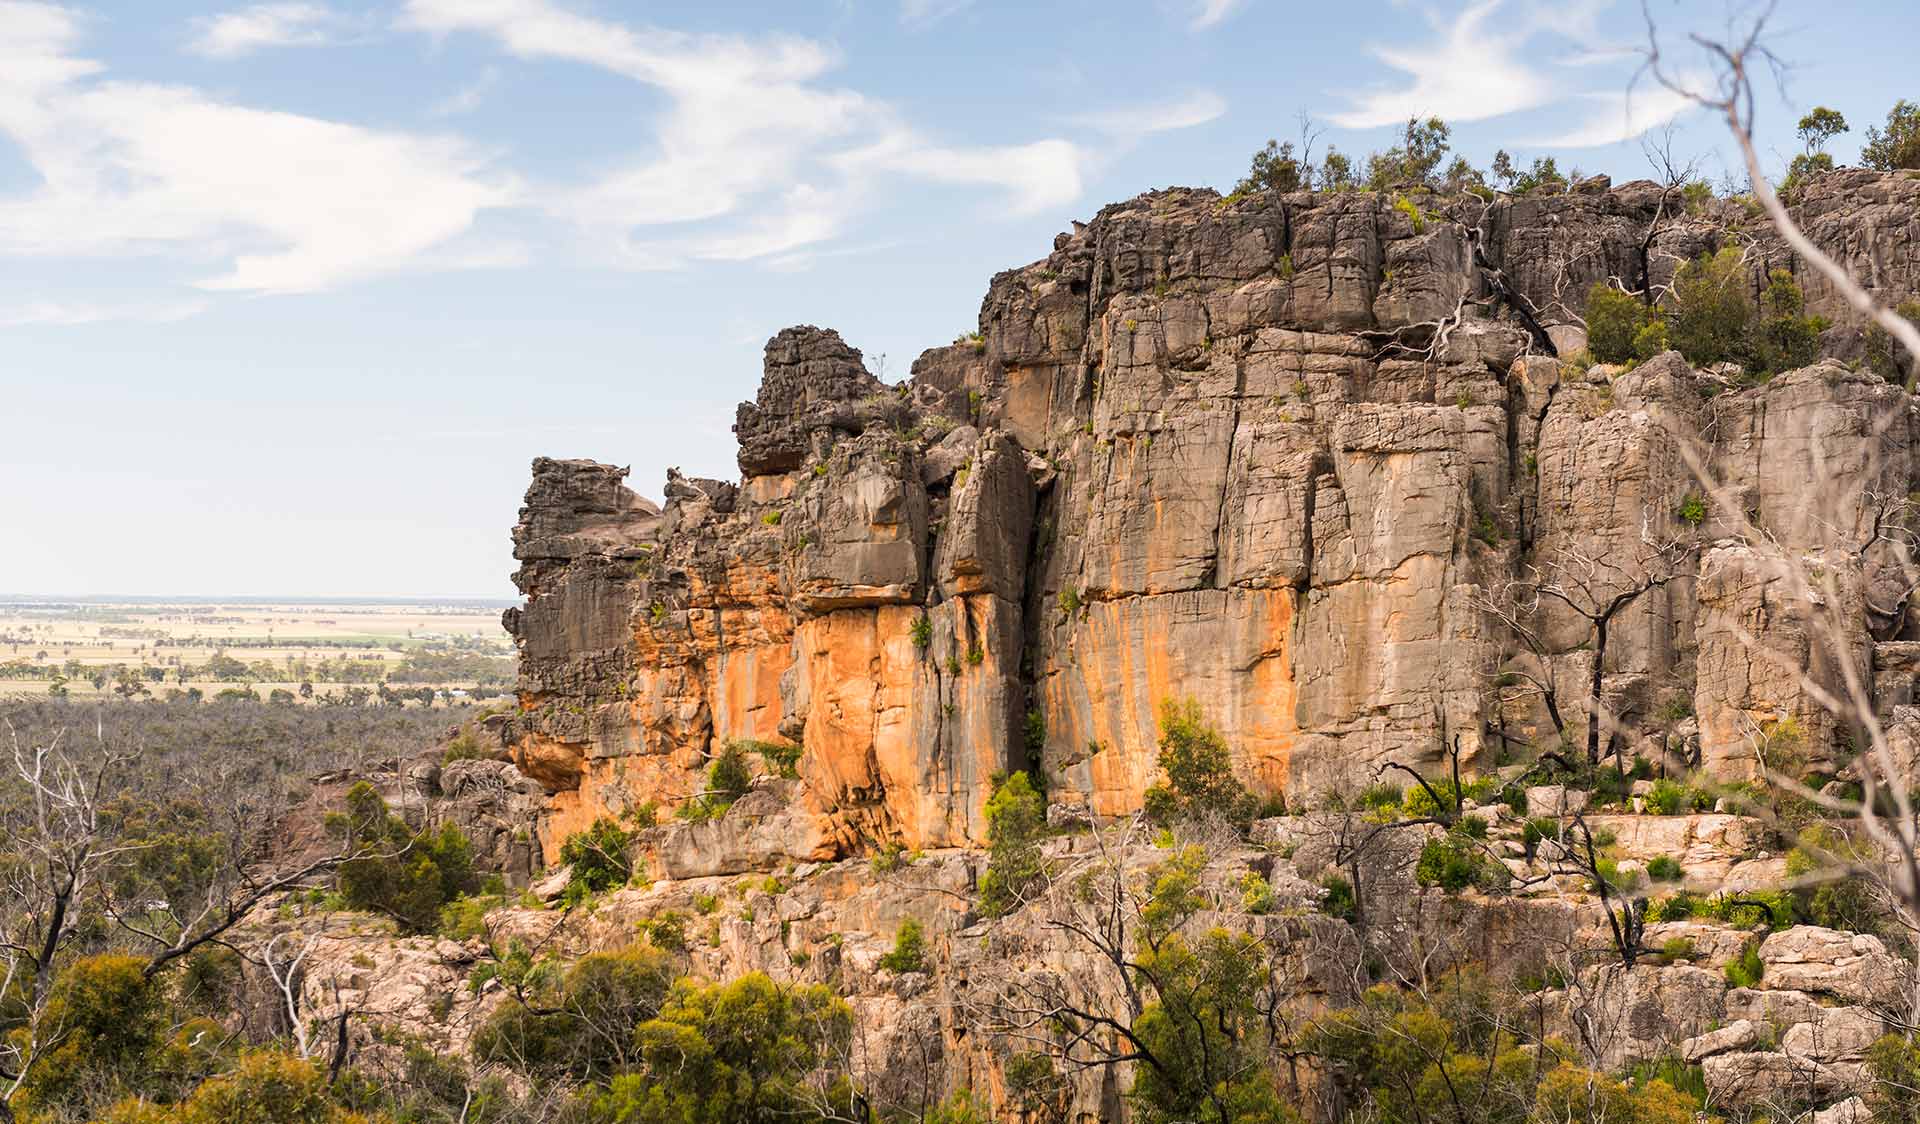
1593	693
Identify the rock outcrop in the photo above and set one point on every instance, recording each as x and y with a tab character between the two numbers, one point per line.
1284	455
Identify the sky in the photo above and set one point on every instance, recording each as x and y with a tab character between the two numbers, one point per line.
291	293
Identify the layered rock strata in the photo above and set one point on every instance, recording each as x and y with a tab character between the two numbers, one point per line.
1286	455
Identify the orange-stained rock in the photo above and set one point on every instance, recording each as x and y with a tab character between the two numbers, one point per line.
1297	457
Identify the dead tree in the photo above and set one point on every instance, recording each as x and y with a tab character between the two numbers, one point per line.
1885	814
1596	588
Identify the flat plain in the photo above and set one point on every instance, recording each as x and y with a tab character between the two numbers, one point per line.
314	651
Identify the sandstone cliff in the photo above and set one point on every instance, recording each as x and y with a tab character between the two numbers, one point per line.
1280	454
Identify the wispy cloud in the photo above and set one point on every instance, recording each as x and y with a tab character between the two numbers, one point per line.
1491	58
1184	112
246	30
1620	117
280	202
1211	13
468	97
755	155
1471	70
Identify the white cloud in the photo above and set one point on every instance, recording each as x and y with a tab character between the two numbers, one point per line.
1622	117
242	32
1210	13
64	314
1473	70
1481	63
755	155
1184	112
283	202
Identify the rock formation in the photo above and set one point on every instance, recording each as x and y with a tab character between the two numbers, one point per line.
1281	454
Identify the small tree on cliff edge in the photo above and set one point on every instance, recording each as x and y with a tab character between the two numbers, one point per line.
1016	821
1199	768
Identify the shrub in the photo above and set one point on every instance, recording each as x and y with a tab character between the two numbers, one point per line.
1677	948
1445	863
1711	312
781	757
1411	209
909	952
103	1019
1884	357
1666	798
1337	898
1664	868
1745	970
729	776
1274	168
921	631
1199	770
1381	796
467	917
1016	821
585	1027
396	871
748	1050
598	857
1692	510
667	931
1256	893
266	1087
1785	337
1614	323
1894	1064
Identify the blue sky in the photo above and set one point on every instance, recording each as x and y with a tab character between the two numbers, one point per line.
291	293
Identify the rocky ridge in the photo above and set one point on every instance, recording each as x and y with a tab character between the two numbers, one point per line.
1278	454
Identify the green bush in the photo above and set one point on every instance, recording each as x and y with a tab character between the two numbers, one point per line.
1445	863
1016	822
1885	357
1380	797
1785	338
1745	970
1337	898
396	871
1711	310
1664	868
1199	770
1614	323
1667	798
1894	1063
729	778
1256	893
1676	949
101	1026
584	1027
1274	168
746	1050
1537	829
598	857
782	757
909	953
466	917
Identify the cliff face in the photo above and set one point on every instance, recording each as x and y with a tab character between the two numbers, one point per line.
1283	455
